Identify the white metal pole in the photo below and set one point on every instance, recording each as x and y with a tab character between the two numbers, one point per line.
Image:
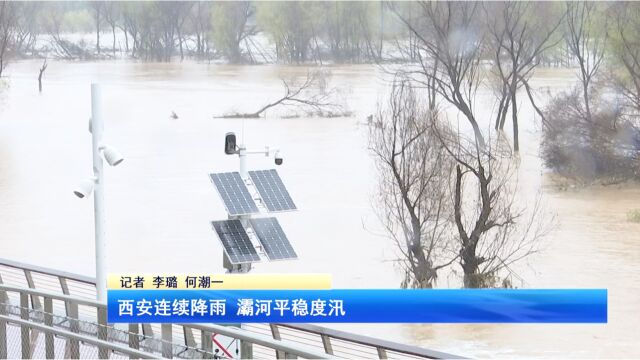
98	193
242	154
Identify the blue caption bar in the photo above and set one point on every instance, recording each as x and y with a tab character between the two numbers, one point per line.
359	306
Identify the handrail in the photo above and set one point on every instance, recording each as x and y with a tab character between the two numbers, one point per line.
48	271
87	339
53	295
371	341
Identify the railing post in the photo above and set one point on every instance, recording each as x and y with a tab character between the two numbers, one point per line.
147	330
275	332
189	338
207	344
103	352
65	290
48	336
35	300
382	353
326	343
24	329
73	346
134	339
4	299
167	340
3	336
246	349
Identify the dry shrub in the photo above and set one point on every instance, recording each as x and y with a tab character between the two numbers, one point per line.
603	147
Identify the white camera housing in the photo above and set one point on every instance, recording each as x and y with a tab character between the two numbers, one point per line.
278	158
85	188
111	155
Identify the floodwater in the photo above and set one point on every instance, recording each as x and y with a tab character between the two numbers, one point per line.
160	200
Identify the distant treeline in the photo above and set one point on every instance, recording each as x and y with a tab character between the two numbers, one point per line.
235	32
238	32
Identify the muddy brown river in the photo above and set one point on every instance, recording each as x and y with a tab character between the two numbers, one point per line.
160	200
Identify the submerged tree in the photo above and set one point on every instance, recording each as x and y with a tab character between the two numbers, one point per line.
625	46
231	28
201	23
414	173
111	16
347	29
98	16
595	137
7	18
291	26
586	41
517	38
448	49
493	230
310	95
496	227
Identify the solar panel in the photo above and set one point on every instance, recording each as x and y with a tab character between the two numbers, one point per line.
234	193
272	190
235	241
275	242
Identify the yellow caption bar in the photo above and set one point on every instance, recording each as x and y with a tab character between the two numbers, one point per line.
219	281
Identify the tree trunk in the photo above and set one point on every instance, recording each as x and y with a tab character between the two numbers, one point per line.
98	31
585	89
469	263
113	31
126	41
180	43
514	113
42	69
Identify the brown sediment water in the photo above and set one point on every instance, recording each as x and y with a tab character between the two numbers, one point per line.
160	200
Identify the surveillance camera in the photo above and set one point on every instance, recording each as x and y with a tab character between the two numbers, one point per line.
278	158
112	155
230	143
85	188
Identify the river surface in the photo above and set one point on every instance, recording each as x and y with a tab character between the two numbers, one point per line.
160	200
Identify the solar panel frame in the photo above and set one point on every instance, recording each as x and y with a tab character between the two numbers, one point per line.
235	241
274	194
234	193
274	241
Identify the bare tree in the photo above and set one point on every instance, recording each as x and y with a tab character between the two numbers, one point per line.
41	72
291	27
181	14
311	95
7	17
54	27
493	230
414	170
231	28
112	12
517	39
626	50
586	42
130	25
97	7
448	36
26	28
496	227
201	21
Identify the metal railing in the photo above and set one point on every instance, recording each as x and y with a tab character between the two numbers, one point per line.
72	296
106	338
50	333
